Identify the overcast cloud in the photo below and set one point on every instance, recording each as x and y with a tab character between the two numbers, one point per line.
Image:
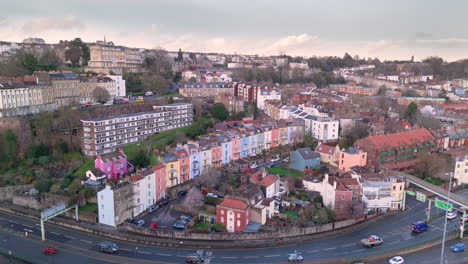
394	29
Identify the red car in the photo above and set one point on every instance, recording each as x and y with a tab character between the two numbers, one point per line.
50	250
163	203
153	225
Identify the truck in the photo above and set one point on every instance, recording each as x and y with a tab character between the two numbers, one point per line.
372	241
419	226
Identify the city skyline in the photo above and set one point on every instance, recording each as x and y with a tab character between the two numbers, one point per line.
365	28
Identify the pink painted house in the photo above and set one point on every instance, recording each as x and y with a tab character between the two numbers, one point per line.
236	147
160	180
275	137
216	154
113	165
350	158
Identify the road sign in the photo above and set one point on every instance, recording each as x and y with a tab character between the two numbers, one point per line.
53	210
420	197
410	193
443	205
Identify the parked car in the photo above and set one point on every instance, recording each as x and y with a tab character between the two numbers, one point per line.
295	257
270	165
149	93
182	193
451	215
109	103
194	258
396	260
153	225
179	225
107	246
163	203
212	195
152	208
372	241
275	159
458	247
254	165
185	217
419	226
140	222
50	250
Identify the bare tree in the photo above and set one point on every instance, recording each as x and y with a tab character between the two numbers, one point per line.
428	165
193	200
291	183
392	126
357	209
101	95
211	178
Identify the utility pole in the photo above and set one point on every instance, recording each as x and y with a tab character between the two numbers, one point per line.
445	224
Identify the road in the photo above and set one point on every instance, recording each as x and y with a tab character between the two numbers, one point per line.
77	247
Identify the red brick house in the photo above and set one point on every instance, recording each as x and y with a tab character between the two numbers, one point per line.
397	151
234	214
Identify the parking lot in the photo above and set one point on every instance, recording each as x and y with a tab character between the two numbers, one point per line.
164	217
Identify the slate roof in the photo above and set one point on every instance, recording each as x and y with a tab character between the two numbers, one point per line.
308	154
325	149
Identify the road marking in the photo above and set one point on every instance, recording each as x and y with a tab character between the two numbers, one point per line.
69	237
271	256
38	224
180	256
87	241
348	245
55	233
342	253
312	251
28	230
168	255
28	226
329	249
358	250
251	257
124	249
396	234
228	257
143	252
394	242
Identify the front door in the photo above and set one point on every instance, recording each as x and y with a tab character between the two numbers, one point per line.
230	221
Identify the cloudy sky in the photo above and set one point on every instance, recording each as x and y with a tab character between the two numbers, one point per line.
388	29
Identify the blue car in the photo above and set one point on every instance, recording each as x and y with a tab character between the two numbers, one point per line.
179	225
458	247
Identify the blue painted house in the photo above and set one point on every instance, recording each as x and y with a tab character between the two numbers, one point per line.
195	162
227	149
304	158
245	146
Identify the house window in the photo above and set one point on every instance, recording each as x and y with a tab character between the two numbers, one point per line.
222	219
342	197
238	223
401	187
238	215
394	188
222	211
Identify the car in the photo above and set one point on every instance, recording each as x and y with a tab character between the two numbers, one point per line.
108	246
163	203
194	258
221	195
396	260
153	225
212	195
451	215
254	165
134	221
152	208
50	250
270	165
275	159
149	93
458	247
295	257
185	217
182	193
140	222
419	226
179	225
372	241
109	103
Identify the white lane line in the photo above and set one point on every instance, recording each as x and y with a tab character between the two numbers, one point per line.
229	257
28	226
328	249
394	242
271	256
180	256
38	224
87	241
167	255
396	234
348	245
251	257
69	237
55	233
143	252
358	250
312	251
341	253
124	249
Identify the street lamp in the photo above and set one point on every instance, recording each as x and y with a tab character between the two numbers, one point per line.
445	224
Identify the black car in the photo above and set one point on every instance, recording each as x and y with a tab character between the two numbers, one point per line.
182	193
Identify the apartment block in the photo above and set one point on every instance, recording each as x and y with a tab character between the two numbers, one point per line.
107	58
232	103
107	134
206	89
115	204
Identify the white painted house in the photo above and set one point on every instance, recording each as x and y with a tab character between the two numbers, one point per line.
144	190
267	94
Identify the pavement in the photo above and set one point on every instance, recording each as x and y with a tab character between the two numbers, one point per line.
78	247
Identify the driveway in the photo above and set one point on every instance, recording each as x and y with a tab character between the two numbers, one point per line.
164	216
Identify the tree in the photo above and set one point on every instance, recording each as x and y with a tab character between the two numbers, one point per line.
180	55
43	185
310	141
49	57
209	179
219	112
410	93
101	95
357	209
428	165
193	200
141	159
254	109
428	122
170	100
358	131
193	79
291	184
412	111
73	54
10	145
392	126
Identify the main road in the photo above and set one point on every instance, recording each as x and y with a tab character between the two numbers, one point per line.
77	247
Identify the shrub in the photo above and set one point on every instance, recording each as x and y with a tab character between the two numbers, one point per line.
43	185
44	160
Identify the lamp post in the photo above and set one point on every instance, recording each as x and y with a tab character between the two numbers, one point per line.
445	224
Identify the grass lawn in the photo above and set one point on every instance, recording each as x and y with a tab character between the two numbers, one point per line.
171	94
290	213
281	171
202	225
93	208
435	181
87	165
